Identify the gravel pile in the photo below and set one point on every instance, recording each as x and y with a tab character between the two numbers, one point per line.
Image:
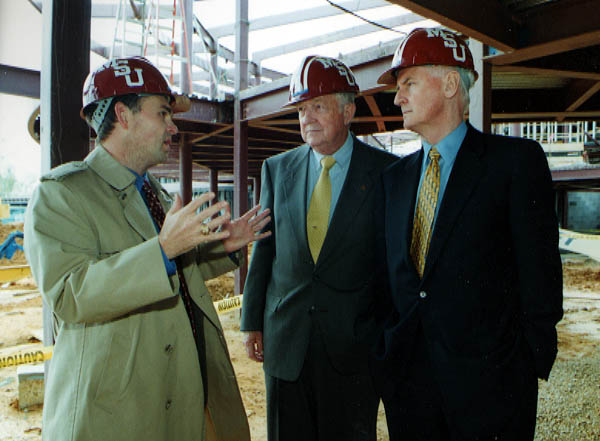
569	403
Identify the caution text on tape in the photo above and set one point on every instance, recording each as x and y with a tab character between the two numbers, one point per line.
39	354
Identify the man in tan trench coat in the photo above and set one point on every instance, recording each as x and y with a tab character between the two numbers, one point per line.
139	353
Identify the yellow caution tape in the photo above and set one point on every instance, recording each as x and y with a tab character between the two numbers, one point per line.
226	305
36	354
39	354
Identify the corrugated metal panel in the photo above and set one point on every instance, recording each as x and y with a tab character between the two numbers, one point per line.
515	80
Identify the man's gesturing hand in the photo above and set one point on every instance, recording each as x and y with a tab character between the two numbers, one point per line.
246	229
183	228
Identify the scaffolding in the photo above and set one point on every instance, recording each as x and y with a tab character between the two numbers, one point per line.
151	28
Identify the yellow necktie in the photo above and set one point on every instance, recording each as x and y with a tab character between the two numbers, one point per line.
317	218
425	212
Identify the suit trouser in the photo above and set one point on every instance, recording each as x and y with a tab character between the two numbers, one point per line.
322	404
414	406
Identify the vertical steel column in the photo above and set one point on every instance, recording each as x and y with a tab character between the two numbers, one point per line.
185	169
185	149
213	178
515	129
257	184
187	32
480	109
240	127
213	92
563	207
64	136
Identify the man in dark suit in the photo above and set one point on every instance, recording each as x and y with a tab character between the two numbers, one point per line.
469	244
309	294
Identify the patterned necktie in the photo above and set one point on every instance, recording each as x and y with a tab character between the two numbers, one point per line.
317	218
425	212
196	320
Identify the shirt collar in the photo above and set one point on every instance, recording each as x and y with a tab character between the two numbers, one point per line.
139	180
343	154
449	146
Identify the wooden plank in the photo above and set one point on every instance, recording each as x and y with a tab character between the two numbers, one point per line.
13	273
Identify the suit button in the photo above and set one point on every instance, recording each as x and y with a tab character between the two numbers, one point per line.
168	404
169	349
422	294
312	309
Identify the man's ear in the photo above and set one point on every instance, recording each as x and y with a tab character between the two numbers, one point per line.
122	114
451	83
349	111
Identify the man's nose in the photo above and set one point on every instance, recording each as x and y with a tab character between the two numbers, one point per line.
399	99
172	128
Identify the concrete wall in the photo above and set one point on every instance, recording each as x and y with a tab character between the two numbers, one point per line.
584	211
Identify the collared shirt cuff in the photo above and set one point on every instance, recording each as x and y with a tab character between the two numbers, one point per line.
169	264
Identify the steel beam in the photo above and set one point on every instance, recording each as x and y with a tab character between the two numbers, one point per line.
334	37
19	81
486	20
298	16
240	130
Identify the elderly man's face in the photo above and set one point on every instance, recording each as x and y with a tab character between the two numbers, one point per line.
324	124
419	94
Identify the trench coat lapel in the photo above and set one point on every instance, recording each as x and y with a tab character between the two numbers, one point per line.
466	173
294	188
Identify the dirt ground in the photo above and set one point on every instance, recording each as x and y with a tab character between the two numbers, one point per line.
21	322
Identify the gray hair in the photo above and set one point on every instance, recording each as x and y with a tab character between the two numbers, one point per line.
344	98
467	79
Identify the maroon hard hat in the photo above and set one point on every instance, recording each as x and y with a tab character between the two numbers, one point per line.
429	46
122	76
317	76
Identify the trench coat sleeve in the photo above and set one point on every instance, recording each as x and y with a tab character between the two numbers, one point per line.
213	260
79	284
535	241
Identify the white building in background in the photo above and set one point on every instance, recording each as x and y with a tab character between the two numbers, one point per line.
20	46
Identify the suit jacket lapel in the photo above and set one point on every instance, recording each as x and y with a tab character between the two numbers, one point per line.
357	186
294	188
401	204
467	171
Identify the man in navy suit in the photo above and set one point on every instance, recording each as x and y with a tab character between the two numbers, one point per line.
473	272
309	294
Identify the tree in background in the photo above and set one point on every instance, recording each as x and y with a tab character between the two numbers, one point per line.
10	185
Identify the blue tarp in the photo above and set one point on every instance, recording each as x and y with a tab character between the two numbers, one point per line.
10	245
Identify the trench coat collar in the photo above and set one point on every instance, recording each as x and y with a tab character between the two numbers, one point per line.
109	169
122	180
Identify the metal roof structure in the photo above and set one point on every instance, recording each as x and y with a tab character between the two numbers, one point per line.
543	63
